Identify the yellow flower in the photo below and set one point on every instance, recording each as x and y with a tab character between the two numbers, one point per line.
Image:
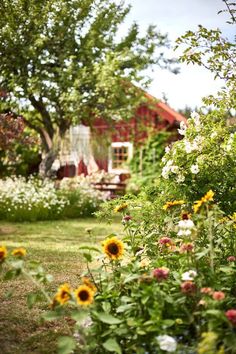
170	204
3	253
197	205
120	207
208	197
113	248
88	283
63	294
21	252
84	295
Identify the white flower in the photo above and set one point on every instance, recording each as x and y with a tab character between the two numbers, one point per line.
180	178
183	128
196	118
167	149
190	275
167	343
188	147
194	169
174	169
186	224
185	227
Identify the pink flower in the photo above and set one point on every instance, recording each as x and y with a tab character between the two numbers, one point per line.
231	315
161	273
231	259
206	291
165	241
188	287
186	247
218	295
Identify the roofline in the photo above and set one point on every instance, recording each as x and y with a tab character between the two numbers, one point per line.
165	107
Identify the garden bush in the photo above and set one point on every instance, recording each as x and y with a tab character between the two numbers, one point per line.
34	199
29	200
160	289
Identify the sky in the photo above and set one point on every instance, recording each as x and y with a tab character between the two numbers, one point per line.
175	17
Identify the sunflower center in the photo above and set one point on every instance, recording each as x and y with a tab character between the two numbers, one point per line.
64	294
83	295
2	254
113	248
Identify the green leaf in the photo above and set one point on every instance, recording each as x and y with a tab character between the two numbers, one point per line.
51	315
124	308
66	345
216	313
87	256
131	278
79	315
31	300
90	248
107	318
10	274
17	264
112	346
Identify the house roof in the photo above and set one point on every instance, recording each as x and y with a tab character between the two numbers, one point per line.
166	111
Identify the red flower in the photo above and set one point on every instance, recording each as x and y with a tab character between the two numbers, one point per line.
188	287
126	218
231	259
218	295
231	315
161	273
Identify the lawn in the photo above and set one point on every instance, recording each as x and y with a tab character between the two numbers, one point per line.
56	245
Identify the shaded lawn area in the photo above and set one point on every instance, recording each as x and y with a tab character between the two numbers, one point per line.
55	244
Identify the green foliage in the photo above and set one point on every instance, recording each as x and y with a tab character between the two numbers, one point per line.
202	161
71	64
146	163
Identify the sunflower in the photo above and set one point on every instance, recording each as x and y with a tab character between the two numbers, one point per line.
208	197
120	207
21	252
113	248
84	295
63	294
3	253
87	281
174	203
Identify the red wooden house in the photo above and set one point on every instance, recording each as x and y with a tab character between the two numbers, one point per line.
109	148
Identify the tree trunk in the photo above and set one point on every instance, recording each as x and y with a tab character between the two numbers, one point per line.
45	167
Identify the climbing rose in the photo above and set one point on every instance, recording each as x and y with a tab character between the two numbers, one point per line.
231	315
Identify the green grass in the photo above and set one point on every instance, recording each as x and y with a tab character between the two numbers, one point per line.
56	245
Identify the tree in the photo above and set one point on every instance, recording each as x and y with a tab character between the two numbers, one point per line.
62	62
208	48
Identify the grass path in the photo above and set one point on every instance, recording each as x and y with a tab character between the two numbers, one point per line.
55	244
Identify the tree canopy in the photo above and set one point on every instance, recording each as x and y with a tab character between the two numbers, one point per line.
63	62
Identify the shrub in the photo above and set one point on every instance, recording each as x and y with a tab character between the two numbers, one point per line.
29	200
35	199
83	199
203	160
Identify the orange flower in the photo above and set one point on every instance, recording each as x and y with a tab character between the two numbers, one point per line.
20	252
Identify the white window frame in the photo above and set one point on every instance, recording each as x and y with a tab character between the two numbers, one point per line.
130	155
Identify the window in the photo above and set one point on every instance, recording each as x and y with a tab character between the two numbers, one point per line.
120	154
